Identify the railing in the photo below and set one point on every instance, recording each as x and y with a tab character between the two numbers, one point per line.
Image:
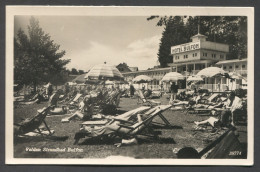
223	87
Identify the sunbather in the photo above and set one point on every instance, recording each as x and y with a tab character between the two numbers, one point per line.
85	110
223	120
115	127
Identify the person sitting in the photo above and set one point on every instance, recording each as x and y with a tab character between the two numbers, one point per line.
234	106
54	98
85	110
222	120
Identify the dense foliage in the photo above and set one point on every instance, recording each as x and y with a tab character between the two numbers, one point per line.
231	30
37	58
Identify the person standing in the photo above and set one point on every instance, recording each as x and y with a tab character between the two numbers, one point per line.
219	86
49	89
175	90
172	91
132	90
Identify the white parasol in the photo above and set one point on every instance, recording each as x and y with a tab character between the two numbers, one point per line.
173	76
103	72
142	79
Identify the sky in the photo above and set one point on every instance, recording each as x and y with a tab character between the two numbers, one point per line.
91	40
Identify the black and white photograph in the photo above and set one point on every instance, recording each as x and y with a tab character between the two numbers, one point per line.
129	85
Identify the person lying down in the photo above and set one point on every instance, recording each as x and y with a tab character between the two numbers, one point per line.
114	128
222	120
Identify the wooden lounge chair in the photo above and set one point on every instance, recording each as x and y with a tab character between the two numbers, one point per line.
227	146
110	119
74	101
123	128
34	123
210	99
144	101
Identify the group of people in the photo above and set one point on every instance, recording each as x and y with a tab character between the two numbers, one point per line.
91	96
229	109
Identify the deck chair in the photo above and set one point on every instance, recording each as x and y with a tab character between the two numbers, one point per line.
122	128
110	119
73	102
221	148
144	101
34	123
210	99
206	108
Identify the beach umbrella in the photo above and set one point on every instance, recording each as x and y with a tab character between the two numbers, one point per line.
173	76
79	79
194	78
236	75
108	82
210	72
142	79
103	72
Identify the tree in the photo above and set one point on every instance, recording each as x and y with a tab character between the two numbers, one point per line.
172	35
74	71
37	58
81	72
231	30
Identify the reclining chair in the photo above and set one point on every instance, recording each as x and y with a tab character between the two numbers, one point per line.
144	100
123	128
31	124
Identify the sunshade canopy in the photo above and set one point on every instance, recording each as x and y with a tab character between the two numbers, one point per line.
173	76
142	79
80	79
210	72
236	75
194	78
103	72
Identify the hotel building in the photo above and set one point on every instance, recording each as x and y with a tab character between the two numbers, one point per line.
190	58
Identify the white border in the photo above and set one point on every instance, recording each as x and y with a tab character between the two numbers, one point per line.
11	11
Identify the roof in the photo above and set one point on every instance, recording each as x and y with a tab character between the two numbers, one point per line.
191	62
231	61
133	69
80	78
152	70
199	35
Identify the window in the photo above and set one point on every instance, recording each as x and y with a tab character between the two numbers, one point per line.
221	56
195	54
237	66
224	67
185	56
230	67
243	66
205	54
213	55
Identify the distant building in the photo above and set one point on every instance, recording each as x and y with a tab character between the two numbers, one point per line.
133	69
198	54
155	74
123	67
236	65
190	58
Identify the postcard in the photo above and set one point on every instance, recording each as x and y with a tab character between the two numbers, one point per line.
129	85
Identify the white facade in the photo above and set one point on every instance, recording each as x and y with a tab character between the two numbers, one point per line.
199	49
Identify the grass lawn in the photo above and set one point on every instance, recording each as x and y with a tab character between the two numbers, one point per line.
169	139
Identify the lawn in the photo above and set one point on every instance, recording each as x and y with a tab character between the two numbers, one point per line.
164	147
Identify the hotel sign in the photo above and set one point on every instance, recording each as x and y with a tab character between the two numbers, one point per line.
185	47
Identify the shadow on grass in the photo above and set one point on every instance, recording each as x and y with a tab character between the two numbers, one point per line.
120	111
166	127
141	140
26	139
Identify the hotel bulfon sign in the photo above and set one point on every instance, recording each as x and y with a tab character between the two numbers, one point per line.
185	47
